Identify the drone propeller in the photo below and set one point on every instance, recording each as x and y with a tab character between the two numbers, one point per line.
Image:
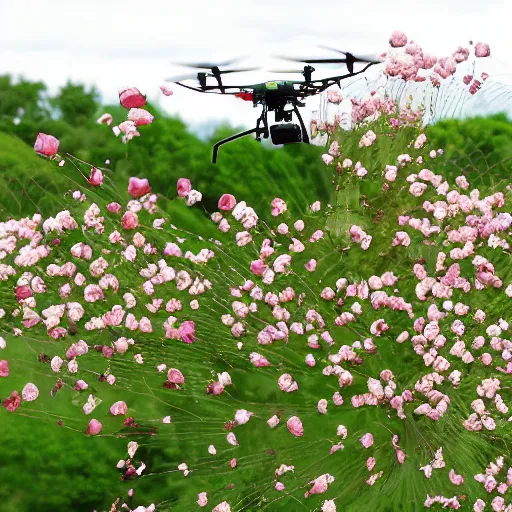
242	70
349	59
179	78
210	65
351	56
296	71
221	71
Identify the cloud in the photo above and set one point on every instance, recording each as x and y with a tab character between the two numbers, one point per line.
134	42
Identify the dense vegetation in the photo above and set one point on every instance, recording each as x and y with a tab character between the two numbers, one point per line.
56	460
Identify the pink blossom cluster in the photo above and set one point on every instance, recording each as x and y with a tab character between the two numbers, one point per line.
407	61
130	98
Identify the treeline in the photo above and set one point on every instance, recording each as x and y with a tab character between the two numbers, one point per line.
167	150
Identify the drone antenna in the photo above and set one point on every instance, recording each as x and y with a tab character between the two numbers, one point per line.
216	73
201	77
308	71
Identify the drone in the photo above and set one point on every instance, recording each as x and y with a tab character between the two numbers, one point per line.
273	96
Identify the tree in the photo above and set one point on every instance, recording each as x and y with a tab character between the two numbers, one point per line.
76	105
23	99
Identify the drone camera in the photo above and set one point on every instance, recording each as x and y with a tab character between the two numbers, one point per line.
288	133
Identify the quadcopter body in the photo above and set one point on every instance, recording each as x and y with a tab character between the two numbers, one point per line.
272	96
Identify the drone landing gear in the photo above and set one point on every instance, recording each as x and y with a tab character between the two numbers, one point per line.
281	133
258	131
305	137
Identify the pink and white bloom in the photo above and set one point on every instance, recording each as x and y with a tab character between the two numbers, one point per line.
184	187
138	187
140	116
118	408
167	91
398	39
367	440
46	145
295	427
131	97
278	207
227	202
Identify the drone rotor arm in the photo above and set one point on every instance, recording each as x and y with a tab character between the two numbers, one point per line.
337	79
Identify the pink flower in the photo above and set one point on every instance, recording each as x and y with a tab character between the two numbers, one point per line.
391	172
310	266
94	428
227	202
167	91
258	267
286	383
114	207
138	187
281	262
482	50
215	388
202	499
278	207
140	116
378	327
242	416
222	507
322	406
118	408
4	368
320	485
131	97
145	325
129	129
46	145
294	426
231	439
81	385
13	402
258	360
96	177
23	292
420	141
417	189
171	249
367	440
105	119
334	97
454	478
130	220
398	39
174	376
187	331
184	187
328	159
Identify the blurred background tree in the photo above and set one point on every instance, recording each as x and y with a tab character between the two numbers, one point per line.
167	150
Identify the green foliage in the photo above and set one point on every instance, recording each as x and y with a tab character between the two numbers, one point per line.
28	183
479	148
75	105
164	152
23	99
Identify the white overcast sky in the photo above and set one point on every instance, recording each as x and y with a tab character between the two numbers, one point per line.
111	43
